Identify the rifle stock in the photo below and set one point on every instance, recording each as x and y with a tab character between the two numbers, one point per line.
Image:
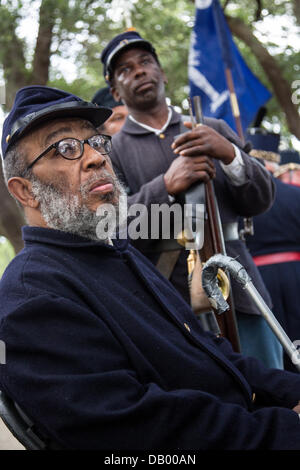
213	244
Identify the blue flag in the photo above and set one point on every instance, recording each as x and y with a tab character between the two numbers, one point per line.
212	50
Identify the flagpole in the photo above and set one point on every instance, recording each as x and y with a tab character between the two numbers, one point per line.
121	9
225	47
234	103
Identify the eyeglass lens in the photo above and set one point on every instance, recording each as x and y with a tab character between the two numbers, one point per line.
101	143
73	148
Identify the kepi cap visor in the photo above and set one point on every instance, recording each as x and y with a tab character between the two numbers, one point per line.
36	105
119	44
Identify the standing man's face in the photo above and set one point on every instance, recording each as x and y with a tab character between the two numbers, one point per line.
116	121
138	79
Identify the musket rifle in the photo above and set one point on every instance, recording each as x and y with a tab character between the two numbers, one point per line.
203	193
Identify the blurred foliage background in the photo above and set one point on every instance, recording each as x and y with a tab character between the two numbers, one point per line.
6	254
59	42
73	33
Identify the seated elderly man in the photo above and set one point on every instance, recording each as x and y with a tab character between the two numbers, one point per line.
102	352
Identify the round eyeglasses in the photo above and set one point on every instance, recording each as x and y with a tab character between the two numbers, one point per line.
71	148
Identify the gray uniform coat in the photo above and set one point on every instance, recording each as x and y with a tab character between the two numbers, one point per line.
141	158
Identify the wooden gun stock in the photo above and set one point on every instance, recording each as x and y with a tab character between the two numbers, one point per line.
213	244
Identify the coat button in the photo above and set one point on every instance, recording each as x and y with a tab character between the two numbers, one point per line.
187	327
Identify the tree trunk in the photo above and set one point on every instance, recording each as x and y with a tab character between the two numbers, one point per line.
41	61
281	87
296	8
11	217
13	63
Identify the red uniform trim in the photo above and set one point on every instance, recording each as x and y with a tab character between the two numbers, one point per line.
275	258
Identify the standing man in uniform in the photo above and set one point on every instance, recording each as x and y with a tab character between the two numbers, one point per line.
156	167
275	246
103	97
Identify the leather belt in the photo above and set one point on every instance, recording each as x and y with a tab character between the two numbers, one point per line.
275	258
230	233
163	245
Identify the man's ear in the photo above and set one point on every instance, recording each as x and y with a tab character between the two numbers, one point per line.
114	92
20	188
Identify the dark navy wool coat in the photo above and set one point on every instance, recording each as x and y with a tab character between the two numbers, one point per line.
277	231
103	353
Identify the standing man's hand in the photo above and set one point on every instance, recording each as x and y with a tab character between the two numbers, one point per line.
184	171
204	140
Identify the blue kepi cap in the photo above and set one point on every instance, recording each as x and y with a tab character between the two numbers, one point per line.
35	105
117	45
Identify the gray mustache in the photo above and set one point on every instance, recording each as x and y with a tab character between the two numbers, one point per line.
98	177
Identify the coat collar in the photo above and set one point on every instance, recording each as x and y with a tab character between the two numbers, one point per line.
51	236
130	127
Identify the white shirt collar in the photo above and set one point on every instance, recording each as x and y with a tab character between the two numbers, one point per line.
152	129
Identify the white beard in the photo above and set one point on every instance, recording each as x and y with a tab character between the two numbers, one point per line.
68	212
